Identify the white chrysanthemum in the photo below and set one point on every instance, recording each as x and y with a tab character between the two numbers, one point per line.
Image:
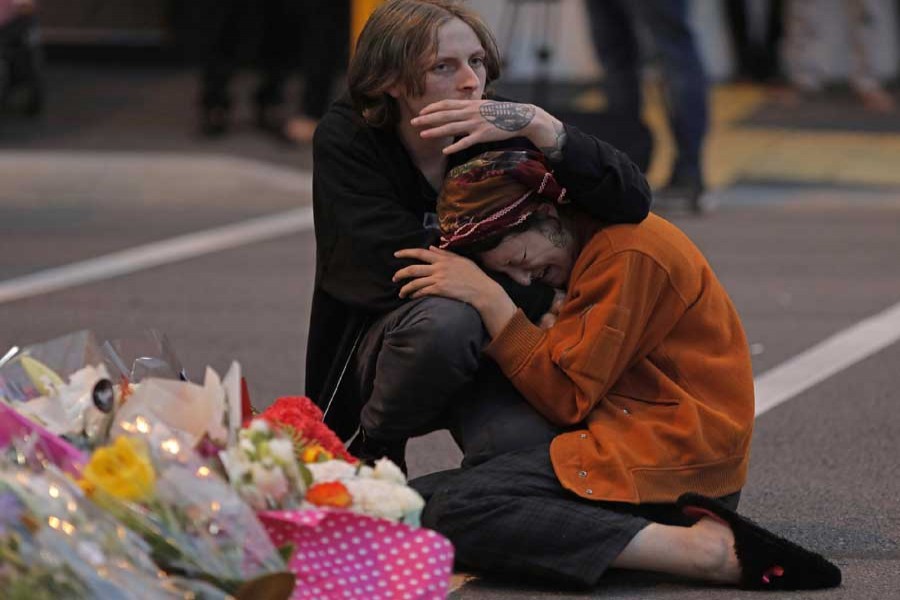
236	465
282	450
386	469
380	498
247	446
270	482
259	426
332	470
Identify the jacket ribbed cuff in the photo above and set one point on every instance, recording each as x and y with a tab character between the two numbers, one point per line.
515	343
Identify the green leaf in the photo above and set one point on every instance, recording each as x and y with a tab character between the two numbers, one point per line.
305	474
286	552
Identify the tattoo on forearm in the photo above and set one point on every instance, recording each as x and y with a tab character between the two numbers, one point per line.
554	152
508	116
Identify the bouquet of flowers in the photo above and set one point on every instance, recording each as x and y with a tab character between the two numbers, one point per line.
153	482
198	486
55	544
379	492
77	389
355	529
263	468
336	479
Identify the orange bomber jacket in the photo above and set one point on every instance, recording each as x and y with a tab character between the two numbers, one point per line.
647	363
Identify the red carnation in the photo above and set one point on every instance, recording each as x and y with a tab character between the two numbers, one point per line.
302	419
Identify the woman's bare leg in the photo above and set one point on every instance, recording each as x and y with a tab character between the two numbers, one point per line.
703	551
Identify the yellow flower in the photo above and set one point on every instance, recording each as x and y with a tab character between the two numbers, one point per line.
315	453
122	470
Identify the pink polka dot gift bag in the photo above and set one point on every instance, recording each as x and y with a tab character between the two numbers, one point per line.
341	554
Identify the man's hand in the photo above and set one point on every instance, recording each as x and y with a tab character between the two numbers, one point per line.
452	276
478	121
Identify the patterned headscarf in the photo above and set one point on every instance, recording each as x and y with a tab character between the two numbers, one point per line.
493	192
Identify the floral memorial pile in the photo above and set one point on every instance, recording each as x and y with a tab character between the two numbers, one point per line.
119	478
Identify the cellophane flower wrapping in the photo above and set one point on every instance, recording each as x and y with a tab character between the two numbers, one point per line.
194	521
53	383
54	543
15	428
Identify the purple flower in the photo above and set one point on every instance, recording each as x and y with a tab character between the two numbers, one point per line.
11	509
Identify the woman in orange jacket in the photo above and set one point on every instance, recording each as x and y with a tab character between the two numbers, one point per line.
646	370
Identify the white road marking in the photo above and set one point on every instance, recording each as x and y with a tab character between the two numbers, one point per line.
157	253
826	358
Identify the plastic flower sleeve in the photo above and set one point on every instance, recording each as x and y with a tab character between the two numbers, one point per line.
187	407
56	544
17	430
146	354
64	385
49	363
197	523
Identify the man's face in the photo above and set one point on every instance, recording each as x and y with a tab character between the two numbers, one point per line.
542	253
456	72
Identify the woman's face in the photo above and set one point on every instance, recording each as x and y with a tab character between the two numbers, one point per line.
456	72
542	253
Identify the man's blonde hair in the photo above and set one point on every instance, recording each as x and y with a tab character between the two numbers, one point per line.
396	46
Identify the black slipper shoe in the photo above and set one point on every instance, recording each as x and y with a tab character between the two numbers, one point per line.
768	562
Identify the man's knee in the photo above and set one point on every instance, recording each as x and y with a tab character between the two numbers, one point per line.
441	325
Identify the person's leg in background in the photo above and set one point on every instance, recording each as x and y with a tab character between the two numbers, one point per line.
862	20
771	50
226	27
20	50
804	47
276	55
736	13
324	53
686	90
755	27
616	44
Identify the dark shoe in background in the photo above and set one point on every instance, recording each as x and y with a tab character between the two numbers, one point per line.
680	195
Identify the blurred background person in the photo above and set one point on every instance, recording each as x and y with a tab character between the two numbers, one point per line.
617	29
323	32
807	42
229	21
756	32
305	36
21	84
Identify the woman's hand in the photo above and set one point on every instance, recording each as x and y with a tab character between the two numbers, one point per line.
450	275
478	121
549	319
